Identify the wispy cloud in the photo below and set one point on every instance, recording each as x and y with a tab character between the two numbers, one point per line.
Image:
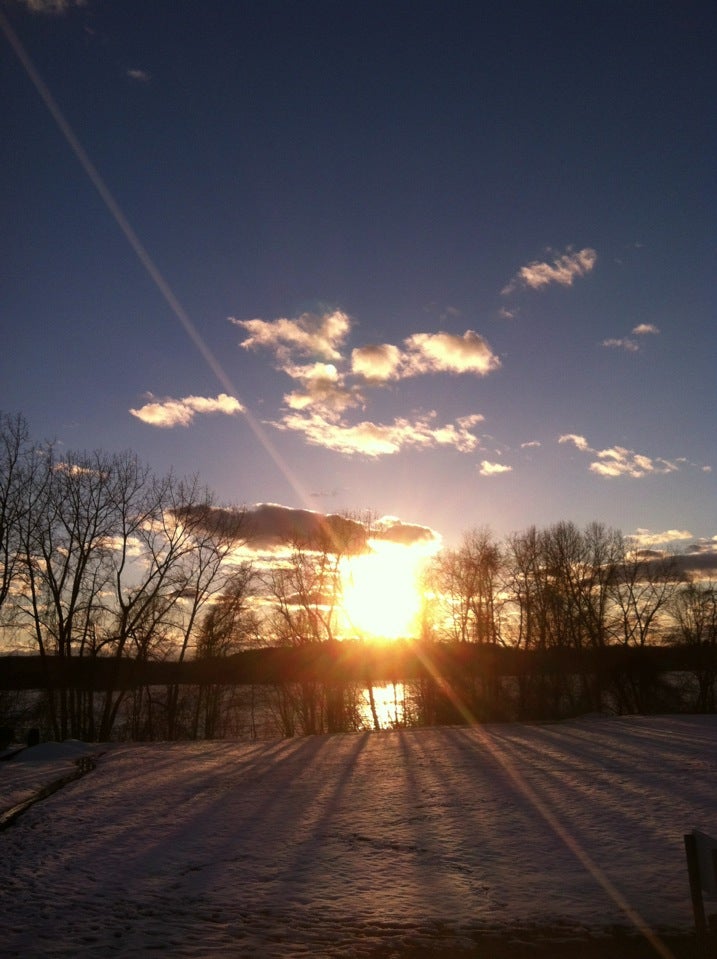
628	344
563	269
52	6
139	76
619	461
531	444
494	469
169	412
623	343
382	439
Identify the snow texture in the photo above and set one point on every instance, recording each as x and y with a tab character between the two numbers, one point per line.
339	845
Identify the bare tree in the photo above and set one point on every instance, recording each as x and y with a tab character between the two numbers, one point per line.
67	537
641	591
229	625
466	583
15	468
694	609
166	563
305	591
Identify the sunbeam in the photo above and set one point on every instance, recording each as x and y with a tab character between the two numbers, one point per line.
142	254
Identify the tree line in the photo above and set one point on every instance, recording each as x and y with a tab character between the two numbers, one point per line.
102	560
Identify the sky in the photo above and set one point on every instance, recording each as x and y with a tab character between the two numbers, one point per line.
361	845
446	262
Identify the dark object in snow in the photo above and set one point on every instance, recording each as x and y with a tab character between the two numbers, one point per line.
701	853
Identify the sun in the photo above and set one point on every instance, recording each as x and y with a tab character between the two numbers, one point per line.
381	592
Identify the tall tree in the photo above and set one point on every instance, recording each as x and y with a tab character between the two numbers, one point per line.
67	543
305	591
229	625
694	608
466	581
16	460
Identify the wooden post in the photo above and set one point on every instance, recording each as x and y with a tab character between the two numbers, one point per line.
698	906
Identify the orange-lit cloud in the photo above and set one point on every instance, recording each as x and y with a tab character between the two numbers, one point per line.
494	469
449	353
426	353
322	336
618	461
563	270
169	412
335	384
322	388
310	334
381	439
646	538
579	441
379	362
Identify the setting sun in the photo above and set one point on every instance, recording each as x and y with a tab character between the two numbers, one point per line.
381	591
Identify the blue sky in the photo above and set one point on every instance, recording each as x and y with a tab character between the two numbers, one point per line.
439	261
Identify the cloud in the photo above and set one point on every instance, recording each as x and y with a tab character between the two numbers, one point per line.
622	344
381	439
562	270
631	346
493	469
332	385
310	334
618	461
52	6
645	538
449	353
140	76
322	388
379	362
393	530
271	527
323	336
579	441
531	444
425	353
169	412
697	561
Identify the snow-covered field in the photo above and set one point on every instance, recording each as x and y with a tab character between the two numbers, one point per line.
357	845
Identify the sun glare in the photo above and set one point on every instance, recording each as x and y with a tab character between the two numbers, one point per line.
381	591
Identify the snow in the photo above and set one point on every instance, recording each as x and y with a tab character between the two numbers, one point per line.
345	845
